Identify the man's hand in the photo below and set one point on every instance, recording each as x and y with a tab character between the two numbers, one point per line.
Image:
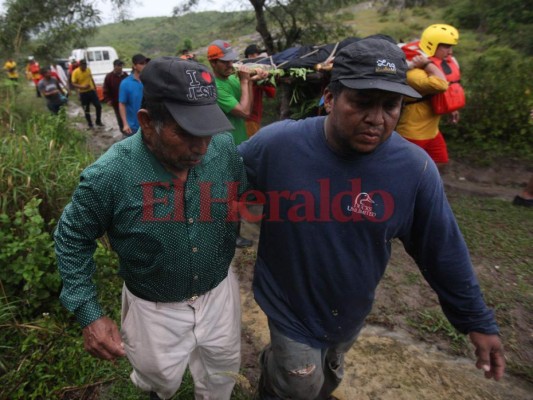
102	339
243	72
260	75
127	130
489	352
420	61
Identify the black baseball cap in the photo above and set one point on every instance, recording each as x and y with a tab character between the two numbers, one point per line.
139	59
373	63
188	90
118	62
252	49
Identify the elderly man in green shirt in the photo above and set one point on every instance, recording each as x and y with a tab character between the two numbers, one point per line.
165	200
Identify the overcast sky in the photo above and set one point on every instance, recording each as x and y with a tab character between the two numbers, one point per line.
158	8
163	8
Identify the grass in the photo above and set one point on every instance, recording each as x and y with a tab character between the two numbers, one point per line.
434	322
40	155
499	236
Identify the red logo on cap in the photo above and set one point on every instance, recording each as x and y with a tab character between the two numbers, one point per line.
206	76
226	45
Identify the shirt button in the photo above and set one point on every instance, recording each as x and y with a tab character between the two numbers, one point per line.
195	277
195	249
191	220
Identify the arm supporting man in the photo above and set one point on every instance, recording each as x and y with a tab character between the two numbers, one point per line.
244	107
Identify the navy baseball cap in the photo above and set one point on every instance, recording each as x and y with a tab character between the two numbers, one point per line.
373	63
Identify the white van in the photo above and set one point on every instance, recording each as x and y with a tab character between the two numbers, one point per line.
99	60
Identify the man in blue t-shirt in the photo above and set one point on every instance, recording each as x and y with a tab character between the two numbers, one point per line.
130	96
337	190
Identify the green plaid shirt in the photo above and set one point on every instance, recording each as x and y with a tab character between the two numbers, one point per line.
174	239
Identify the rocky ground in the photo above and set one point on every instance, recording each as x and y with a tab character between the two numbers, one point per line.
385	364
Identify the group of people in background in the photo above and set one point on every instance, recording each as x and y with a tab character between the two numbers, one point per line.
124	93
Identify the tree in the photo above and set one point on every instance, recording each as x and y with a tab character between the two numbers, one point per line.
293	21
511	21
50	26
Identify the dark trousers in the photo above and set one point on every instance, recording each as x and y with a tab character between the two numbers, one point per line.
88	98
293	370
54	108
119	118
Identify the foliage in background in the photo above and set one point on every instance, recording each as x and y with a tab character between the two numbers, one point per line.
497	117
287	23
159	36
29	271
46	28
40	156
509	22
43	356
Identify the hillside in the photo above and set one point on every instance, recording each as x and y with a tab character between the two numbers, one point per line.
157	36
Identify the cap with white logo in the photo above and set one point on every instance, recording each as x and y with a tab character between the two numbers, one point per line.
373	63
188	90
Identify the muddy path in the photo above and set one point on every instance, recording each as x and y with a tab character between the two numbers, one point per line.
385	364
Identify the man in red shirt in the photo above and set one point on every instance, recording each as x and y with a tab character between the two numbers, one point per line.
111	86
253	123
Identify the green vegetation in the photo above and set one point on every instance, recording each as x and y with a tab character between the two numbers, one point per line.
159	36
434	322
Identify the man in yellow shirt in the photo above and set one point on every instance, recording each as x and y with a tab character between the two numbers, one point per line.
82	79
11	69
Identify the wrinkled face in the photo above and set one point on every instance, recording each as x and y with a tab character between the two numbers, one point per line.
175	148
443	51
360	120
222	69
